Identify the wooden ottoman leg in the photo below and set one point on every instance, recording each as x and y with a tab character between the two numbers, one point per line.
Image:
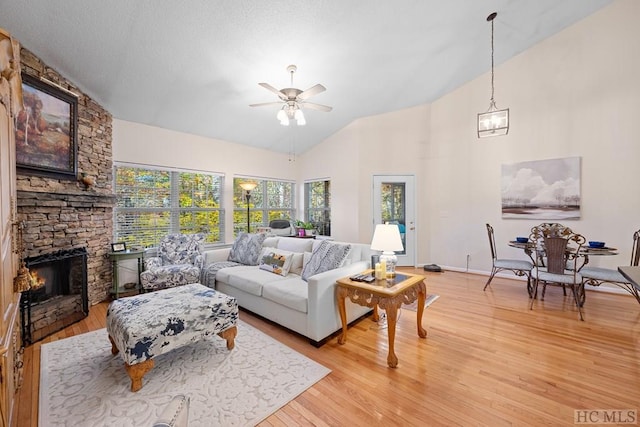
137	371
114	349
229	335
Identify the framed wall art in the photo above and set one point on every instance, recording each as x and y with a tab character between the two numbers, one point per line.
542	189
46	130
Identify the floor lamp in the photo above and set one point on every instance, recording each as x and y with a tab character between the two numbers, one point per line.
248	187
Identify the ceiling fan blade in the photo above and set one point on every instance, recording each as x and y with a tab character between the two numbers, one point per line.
274	90
263	104
314	90
313	106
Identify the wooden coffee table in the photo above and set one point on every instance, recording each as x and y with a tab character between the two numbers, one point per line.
388	294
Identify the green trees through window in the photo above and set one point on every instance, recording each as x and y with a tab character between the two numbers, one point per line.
269	200
151	203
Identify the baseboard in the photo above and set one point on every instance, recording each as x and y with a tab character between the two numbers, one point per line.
612	289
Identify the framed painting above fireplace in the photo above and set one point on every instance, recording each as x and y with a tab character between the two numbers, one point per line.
46	131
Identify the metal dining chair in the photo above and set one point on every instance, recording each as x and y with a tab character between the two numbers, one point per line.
517	266
557	262
596	276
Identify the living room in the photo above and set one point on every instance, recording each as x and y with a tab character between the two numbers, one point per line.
574	94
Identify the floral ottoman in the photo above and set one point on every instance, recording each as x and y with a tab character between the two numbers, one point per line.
147	325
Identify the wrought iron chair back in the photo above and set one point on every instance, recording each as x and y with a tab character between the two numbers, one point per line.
557	252
635	249
518	267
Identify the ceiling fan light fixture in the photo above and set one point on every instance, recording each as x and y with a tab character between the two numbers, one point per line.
299	116
493	122
282	115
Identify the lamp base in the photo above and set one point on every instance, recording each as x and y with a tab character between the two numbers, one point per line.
391	260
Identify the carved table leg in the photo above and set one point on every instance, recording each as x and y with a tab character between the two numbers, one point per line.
114	349
422	295
392	317
341	294
137	371
229	335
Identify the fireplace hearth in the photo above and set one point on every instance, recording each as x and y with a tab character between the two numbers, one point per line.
58	295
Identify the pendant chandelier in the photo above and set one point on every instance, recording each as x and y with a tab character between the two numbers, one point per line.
493	122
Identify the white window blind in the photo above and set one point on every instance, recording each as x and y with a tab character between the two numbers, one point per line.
151	203
269	200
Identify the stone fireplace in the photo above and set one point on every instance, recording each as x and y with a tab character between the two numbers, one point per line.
69	215
58	296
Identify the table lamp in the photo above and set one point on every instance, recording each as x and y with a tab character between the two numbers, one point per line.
386	238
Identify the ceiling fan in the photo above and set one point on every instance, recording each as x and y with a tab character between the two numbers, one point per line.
294	100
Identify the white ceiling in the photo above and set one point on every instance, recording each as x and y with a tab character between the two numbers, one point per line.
194	66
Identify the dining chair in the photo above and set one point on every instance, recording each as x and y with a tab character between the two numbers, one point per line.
557	261
596	276
517	266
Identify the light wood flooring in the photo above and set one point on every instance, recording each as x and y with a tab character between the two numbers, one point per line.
487	360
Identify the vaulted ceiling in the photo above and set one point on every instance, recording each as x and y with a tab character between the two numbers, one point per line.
194	66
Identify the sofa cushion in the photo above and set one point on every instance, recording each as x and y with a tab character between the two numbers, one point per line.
246	249
209	275
292	292
326	256
276	261
296	264
247	278
293	244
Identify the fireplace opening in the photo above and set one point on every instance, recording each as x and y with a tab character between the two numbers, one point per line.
58	295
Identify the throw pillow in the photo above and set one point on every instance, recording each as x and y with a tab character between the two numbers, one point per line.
276	261
325	257
246	249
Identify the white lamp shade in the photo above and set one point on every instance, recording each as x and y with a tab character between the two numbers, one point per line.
248	185
387	238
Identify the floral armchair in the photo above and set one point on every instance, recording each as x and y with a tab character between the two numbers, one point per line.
179	262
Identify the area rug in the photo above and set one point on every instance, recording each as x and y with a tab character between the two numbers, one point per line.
83	384
427	302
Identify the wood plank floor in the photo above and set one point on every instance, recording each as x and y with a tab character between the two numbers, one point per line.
487	360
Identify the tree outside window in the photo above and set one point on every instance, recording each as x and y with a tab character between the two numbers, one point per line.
317	205
269	200
151	203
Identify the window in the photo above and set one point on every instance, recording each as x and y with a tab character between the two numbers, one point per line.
317	205
151	203
268	201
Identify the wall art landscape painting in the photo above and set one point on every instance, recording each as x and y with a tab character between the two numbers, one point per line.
46	141
542	189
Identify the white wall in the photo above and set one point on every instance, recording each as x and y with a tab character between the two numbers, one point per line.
148	145
574	94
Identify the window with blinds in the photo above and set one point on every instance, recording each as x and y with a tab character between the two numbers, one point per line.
151	203
268	201
317	205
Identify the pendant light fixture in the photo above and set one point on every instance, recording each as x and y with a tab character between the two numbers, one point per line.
493	122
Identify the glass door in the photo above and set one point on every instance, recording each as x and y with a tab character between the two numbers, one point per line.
394	202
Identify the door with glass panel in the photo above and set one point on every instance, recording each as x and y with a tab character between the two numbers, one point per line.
394	202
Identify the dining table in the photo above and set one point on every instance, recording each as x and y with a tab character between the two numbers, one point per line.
585	252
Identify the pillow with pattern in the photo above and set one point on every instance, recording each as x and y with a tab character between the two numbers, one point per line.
327	256
246	249
276	261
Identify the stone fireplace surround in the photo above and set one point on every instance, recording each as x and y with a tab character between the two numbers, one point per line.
61	214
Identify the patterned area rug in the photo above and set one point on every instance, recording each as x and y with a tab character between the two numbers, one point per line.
414	305
82	384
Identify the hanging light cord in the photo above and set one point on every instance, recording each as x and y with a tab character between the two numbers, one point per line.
492	104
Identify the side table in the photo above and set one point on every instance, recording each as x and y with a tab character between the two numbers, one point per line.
388	294
116	257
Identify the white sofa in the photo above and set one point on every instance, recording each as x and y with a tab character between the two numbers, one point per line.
306	307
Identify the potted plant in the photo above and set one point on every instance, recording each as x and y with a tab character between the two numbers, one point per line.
305	228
